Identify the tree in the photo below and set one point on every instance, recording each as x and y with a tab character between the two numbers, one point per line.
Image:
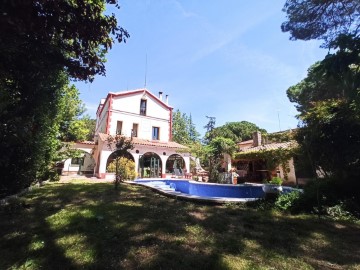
209	127
193	134
180	129
183	129
28	133
90	125
329	107
70	110
335	77
75	35
326	20
237	131
42	45
81	129
121	146
216	150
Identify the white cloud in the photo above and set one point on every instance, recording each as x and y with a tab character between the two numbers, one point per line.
216	38
182	10
262	61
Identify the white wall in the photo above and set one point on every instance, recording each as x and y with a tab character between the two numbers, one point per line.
89	164
145	125
131	104
127	110
101	119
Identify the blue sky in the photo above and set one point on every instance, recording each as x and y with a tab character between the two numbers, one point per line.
227	59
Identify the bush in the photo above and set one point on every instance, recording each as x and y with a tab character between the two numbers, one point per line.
286	201
126	168
49	174
322	194
276	181
339	212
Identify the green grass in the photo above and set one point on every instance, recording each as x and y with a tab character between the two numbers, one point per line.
91	226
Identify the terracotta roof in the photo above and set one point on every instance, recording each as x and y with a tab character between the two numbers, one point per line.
245	142
138	141
103	137
270	146
158	143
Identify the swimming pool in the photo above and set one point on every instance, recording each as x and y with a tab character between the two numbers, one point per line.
212	192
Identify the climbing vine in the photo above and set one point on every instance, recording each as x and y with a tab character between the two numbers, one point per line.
272	157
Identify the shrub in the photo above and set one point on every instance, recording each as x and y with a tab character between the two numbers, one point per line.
276	181
322	194
339	212
126	168
286	201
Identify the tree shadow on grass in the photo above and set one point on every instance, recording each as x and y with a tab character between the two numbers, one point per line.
93	226
78	226
265	235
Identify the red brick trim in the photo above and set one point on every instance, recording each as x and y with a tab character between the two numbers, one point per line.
108	122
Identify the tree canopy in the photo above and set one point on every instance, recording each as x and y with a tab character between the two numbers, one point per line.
74	35
183	129
328	99
43	45
237	131
325	20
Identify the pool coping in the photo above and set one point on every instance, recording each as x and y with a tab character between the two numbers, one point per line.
192	198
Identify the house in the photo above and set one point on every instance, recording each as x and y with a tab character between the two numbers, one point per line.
255	168
81	165
147	120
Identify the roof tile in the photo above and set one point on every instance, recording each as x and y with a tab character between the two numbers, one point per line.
138	141
270	146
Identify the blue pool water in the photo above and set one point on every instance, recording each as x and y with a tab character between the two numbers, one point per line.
208	190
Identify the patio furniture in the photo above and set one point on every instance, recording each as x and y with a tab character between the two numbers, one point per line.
178	173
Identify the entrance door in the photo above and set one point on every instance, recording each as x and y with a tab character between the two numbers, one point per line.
150	165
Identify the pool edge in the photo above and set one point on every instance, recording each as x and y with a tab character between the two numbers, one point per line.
193	198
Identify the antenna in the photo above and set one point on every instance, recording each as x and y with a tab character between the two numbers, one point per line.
145	69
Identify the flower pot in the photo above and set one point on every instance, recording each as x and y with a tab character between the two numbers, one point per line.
235	180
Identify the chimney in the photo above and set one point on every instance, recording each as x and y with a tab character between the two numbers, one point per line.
256	138
167	99
160	95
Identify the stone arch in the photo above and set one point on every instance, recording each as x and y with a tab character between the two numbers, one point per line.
174	161
150	165
116	154
84	164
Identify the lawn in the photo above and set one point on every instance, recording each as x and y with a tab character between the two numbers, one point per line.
91	226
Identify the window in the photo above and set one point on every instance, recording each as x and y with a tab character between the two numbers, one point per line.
77	161
119	127
155	133
134	131
143	107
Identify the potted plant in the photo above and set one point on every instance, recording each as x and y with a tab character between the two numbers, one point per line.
273	186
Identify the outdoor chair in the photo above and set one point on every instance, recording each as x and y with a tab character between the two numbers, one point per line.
178	172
